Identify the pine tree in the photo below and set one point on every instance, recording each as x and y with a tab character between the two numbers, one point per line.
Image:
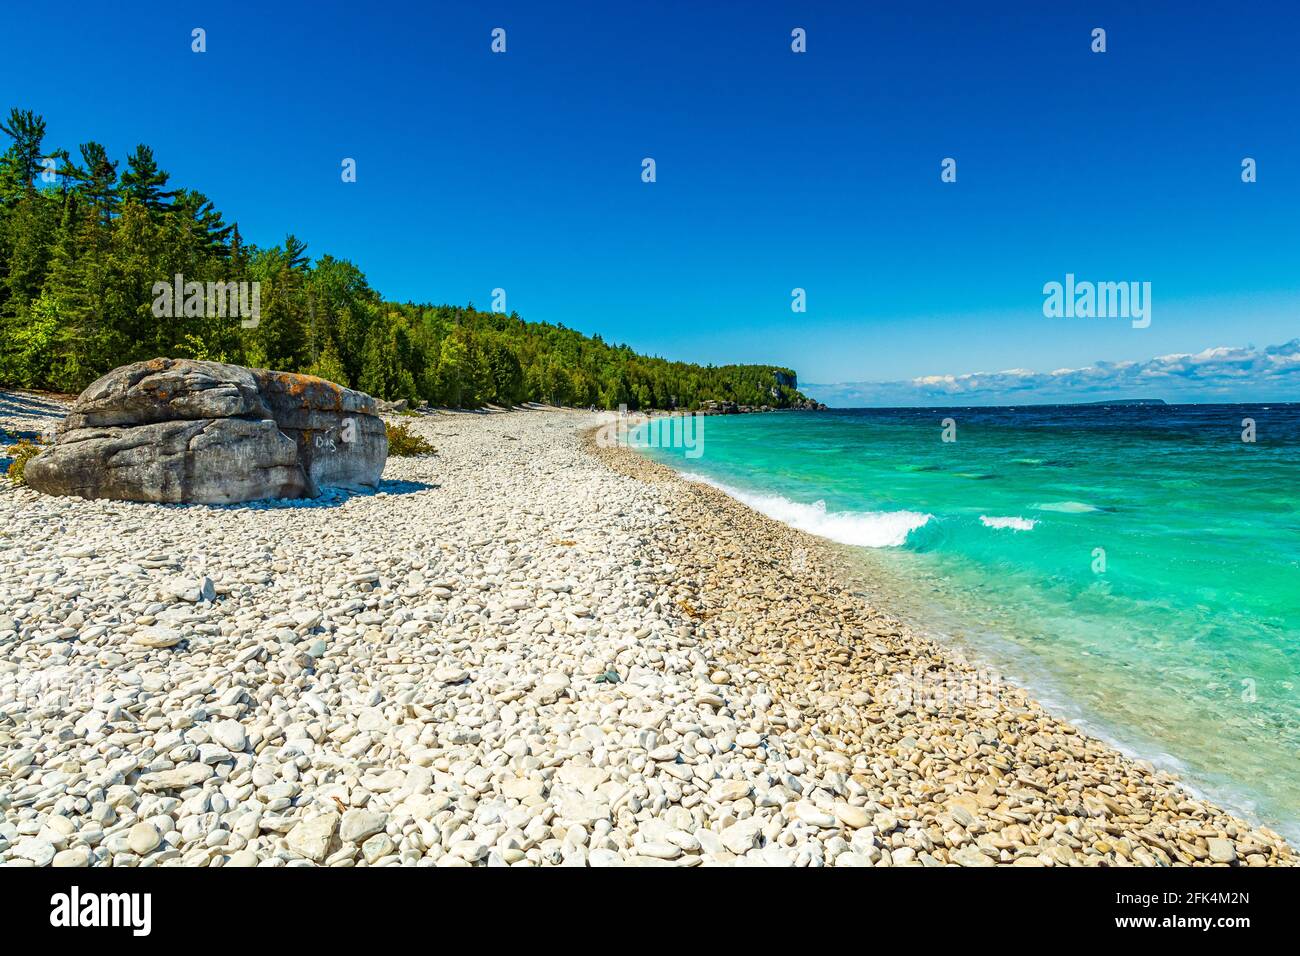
143	181
31	227
507	376
22	159
210	232
295	253
280	339
95	179
328	365
382	371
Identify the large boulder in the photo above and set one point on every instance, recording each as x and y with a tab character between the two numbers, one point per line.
175	430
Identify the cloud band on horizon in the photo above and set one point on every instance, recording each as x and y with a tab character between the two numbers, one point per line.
1223	374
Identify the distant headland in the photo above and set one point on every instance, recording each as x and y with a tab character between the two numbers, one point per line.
1126	401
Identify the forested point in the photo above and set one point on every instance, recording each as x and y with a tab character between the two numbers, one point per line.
83	246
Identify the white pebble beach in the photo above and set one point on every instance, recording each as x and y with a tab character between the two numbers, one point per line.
523	650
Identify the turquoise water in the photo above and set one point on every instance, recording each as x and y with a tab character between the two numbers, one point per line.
1138	567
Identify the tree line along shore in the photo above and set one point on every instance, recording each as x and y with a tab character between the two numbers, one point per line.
86	240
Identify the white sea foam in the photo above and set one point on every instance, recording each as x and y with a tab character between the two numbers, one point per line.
1014	523
866	529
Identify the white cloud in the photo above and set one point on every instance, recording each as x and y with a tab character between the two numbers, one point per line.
1221	373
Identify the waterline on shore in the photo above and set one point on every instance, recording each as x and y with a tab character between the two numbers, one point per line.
1164	614
897	580
835	643
910	591
863	529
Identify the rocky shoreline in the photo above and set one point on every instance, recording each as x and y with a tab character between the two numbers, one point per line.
950	765
523	650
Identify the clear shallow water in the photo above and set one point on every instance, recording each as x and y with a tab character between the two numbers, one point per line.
1184	646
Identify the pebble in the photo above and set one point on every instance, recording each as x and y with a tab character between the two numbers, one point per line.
359	824
971	856
178	778
814	815
157	637
378	846
77	856
143	838
310	838
850	816
661	851
1222	851
39	852
230	734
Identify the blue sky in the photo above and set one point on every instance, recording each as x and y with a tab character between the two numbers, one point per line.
775	170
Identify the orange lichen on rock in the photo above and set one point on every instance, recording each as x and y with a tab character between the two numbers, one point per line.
310	390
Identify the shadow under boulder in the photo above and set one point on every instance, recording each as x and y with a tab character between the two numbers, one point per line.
176	430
